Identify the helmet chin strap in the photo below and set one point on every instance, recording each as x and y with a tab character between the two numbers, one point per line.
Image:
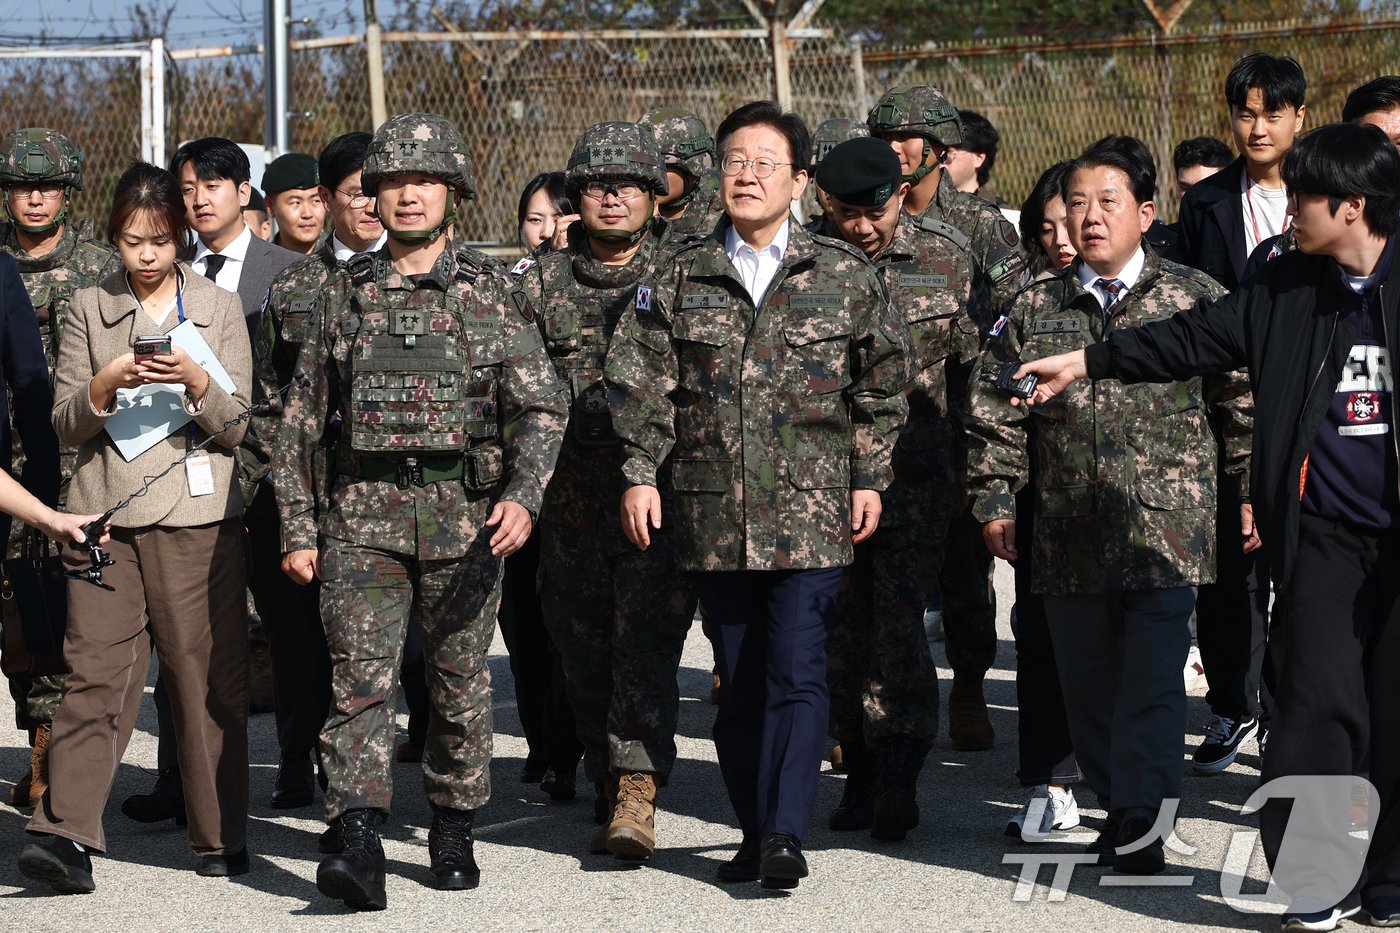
678	205
418	237
39	229
924	168
622	237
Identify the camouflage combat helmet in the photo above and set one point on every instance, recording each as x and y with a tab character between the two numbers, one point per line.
423	143
920	109
618	151
831	133
685	142
37	155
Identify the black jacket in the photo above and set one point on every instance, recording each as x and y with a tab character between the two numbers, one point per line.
25	371
1211	226
1285	326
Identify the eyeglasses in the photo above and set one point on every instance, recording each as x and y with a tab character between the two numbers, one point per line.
358	199
48	190
626	191
762	168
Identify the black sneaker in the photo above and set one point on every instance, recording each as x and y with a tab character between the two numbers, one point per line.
61	863
1224	736
1149	859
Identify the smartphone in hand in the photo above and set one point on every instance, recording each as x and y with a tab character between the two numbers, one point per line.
146	347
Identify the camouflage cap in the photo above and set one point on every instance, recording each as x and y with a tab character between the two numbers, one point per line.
618	150
418	142
684	140
39	154
831	133
916	108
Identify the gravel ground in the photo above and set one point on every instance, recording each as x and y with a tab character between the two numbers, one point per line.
950	874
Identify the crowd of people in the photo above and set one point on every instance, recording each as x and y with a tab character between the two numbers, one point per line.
682	401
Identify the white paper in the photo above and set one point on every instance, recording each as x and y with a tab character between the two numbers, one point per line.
147	415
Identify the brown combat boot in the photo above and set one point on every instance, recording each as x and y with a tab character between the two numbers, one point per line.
39	764
19	794
632	832
598	845
969	726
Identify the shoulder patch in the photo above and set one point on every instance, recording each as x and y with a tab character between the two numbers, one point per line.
943	229
524	263
522	305
1000	270
644	296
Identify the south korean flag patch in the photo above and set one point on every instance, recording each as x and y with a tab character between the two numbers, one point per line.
999	326
644	293
522	265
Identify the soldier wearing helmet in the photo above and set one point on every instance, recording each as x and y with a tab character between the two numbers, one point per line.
920	124
451	421
41	169
617	616
692	204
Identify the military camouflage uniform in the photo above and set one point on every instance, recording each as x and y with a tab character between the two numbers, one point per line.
617	615
78	261
701	215
877	654
449	405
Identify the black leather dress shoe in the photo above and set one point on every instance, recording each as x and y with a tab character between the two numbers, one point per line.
166	801
743	866
781	864
223	866
560	783
296	783
1148	860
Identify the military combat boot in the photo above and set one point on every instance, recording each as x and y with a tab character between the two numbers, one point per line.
39	764
19	793
598	845
854	812
896	811
356	875
450	848
969	726
166	801
632	832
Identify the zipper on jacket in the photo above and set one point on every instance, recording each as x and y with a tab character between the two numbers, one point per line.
1303	411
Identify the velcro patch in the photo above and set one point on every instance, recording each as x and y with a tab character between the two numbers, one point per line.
644	293
525	263
923	281
408	322
704	300
815	301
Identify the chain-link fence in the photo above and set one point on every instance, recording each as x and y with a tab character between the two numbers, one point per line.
94	99
521	99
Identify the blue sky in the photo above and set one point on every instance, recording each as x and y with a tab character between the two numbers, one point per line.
195	22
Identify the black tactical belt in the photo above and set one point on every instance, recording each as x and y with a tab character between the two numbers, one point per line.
402	471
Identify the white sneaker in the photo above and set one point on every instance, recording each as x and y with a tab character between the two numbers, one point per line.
1049	810
1194	674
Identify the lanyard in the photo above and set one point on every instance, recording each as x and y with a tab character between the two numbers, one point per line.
1253	219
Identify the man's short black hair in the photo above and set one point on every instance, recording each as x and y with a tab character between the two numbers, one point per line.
981	137
1201	150
1280	80
214	158
1375	96
343	156
767	113
1120	153
1127	153
1344	160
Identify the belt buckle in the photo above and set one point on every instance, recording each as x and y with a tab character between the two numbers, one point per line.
409	473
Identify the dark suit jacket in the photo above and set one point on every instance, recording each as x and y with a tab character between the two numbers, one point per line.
1212	226
260	266
25	370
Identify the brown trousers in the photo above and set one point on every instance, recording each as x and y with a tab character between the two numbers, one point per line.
189	583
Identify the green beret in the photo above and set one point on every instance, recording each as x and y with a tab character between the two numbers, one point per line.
293	170
862	172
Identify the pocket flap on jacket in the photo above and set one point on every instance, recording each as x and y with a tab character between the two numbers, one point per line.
832	472
701	475
1066	501
804	330
653	338
1167	495
702	328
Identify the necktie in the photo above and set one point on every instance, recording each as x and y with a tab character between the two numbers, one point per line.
214	262
1113	291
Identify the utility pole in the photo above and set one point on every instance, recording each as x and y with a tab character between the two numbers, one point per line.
374	61
277	130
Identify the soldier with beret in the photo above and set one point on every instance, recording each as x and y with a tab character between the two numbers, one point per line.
291	186
884	686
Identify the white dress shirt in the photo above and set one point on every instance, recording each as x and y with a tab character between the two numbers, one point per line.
234	254
1128	275
756	268
344	253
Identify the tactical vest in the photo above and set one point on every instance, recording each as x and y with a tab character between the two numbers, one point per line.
415	387
578	329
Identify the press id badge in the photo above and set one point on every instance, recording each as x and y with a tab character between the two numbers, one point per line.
199	472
